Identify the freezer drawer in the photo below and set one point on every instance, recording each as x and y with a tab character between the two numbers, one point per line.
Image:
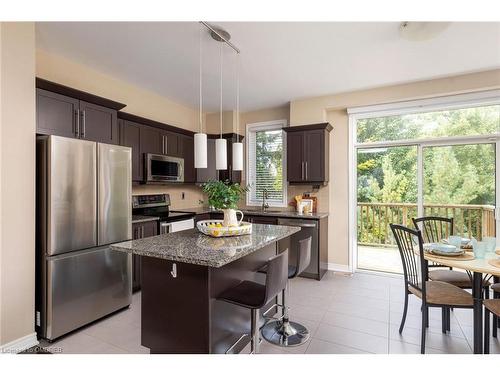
82	287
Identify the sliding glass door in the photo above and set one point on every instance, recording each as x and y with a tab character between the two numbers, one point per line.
459	182
426	163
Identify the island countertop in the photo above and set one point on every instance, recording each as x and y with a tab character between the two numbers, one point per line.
191	246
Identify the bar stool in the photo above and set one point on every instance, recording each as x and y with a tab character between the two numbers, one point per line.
282	331
254	296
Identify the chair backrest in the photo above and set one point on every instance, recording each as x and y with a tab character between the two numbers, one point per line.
277	275
304	256
434	228
411	249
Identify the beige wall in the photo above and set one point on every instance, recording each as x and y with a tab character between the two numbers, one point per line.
17	181
332	108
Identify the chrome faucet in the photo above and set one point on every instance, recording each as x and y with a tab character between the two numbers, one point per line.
265	196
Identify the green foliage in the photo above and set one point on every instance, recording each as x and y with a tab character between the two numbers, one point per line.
462	174
269	156
223	194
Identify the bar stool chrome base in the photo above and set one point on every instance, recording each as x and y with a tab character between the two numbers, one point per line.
285	333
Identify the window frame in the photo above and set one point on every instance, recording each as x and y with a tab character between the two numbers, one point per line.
260	126
448	102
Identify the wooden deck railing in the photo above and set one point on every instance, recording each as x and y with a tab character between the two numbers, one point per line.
374	218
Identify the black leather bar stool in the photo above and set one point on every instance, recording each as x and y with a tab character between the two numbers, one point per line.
254	296
282	331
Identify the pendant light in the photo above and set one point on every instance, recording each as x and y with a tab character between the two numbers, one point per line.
200	139
238	146
220	144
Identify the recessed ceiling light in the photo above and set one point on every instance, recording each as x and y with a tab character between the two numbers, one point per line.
421	31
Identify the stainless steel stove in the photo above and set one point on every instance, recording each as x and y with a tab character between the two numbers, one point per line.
158	205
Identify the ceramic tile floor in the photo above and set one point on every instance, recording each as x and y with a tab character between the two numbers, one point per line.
345	314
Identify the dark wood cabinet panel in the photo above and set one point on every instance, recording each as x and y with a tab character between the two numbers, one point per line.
130	137
98	123
261	219
173	144
209	173
188	155
295	156
229	174
56	114
150	141
314	156
308	153
141	230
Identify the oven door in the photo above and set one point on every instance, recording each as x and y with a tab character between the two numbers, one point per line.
162	168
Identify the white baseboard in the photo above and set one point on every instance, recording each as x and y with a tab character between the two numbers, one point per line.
339	267
20	344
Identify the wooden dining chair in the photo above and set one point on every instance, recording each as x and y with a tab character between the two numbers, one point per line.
432	293
490	306
435	229
496	319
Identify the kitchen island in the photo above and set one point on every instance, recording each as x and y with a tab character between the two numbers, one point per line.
182	275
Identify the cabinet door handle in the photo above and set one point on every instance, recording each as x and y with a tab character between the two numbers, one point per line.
306	170
302	170
83	124
166	144
77	123
174	270
142	231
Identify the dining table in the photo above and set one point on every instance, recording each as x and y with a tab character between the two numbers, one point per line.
480	270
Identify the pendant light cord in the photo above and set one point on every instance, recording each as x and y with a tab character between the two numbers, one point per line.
221	45
238	99
201	81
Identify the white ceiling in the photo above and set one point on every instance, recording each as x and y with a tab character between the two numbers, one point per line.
280	62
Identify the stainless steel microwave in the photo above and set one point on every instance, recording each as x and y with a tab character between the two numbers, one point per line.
162	168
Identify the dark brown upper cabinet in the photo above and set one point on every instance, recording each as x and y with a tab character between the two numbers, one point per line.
68	112
209	173
229	174
130	137
187	154
308	153
98	123
56	114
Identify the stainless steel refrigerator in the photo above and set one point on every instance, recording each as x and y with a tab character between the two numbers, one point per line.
84	192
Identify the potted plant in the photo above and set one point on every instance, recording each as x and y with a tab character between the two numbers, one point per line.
224	195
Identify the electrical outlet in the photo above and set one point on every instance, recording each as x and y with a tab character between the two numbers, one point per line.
183	195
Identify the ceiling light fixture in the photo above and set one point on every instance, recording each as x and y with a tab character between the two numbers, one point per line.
238	146
221	143
223	37
200	139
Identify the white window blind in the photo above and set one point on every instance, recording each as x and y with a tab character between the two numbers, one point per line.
266	163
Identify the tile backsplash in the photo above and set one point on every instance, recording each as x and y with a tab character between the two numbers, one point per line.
192	194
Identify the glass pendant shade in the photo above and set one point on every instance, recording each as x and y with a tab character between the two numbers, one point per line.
220	154
200	150
237	156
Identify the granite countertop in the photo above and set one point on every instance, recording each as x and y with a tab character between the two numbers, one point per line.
257	212
142	219
191	246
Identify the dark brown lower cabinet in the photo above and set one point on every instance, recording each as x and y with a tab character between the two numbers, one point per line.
261	219
141	230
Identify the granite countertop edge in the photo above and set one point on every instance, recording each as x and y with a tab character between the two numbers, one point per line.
197	261
284	214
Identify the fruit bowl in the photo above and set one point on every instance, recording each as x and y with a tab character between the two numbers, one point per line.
215	228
